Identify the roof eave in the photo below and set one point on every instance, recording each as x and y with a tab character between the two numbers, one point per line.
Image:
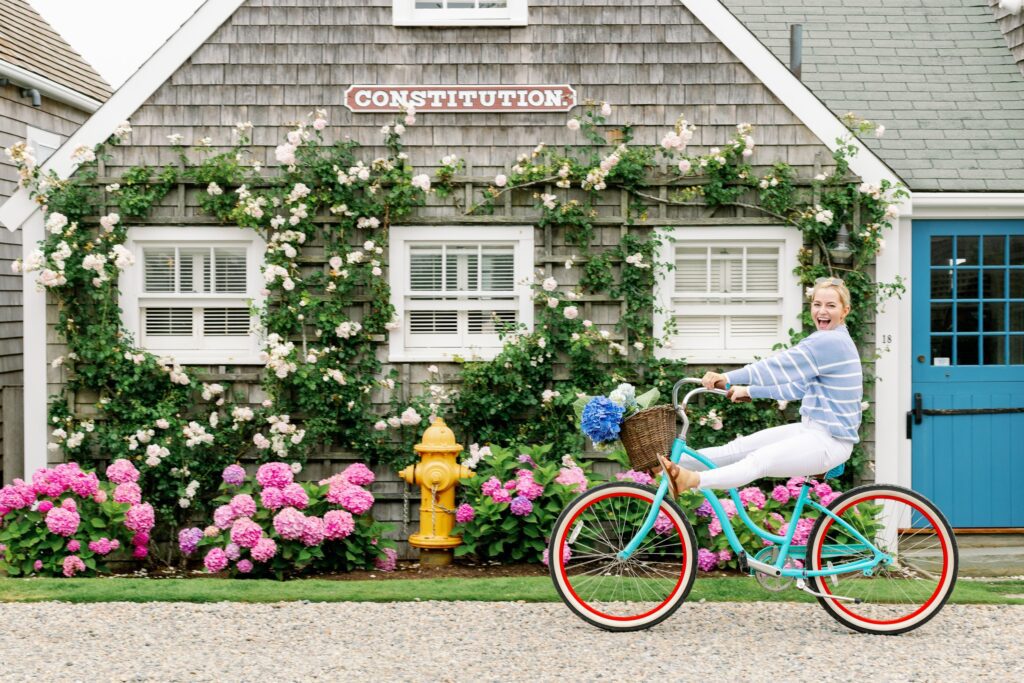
52	89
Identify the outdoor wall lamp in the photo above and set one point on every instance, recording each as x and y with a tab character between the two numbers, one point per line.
840	251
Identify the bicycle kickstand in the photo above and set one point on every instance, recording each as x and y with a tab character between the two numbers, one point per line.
802	585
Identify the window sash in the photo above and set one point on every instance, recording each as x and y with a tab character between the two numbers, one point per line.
460	12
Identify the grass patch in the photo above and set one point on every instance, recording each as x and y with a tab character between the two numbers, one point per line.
529	589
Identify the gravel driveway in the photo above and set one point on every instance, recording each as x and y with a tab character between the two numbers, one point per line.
476	641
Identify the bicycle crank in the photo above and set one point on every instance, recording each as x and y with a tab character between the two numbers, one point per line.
802	585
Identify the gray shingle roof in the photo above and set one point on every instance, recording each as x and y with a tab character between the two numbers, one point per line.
937	73
26	40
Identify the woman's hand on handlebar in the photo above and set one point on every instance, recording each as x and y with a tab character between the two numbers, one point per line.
714	380
739	394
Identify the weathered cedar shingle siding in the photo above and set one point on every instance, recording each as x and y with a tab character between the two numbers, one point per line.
271	64
1012	26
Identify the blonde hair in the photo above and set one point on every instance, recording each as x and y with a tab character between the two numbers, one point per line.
833	283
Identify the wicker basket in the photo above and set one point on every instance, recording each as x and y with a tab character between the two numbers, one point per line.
648	434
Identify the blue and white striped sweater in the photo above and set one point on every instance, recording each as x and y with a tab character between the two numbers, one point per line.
823	370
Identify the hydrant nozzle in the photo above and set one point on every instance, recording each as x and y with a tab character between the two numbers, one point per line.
436	473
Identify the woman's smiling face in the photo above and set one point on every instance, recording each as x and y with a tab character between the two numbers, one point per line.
827	309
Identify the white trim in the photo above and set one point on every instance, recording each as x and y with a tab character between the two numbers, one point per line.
37	137
33	311
968	205
126	101
402	235
792	299
796	96
51	89
130	286
404	13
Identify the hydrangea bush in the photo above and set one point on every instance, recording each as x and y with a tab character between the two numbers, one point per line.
66	521
271	525
514	499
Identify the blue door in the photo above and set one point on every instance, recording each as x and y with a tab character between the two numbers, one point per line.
967	417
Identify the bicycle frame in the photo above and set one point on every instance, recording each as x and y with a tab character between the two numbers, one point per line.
679	447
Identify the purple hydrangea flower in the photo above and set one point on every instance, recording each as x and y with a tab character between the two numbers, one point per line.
706	559
521	506
233	475
188	539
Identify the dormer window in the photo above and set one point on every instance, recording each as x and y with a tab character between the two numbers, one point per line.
460	13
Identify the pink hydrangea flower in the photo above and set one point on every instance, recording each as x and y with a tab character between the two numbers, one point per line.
338	524
780	494
246	532
49	482
289	524
69	504
573	477
526	486
223	516
753	495
635	476
264	550
491	486
729	506
793	485
822	489
663	524
104	546
502	496
359	474
724	556
803	530
272	498
211	531
243	505
464	513
85	485
140	539
313	531
74	546
566	555
128	492
100	496
388	562
215	561
62	522
233	475
715	526
45	506
139	517
232	551
244	566
356	500
37	565
706	560
827	499
276	474
509	485
122	471
139	552
295	496
72	565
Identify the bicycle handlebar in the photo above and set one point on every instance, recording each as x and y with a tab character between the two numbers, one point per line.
680	408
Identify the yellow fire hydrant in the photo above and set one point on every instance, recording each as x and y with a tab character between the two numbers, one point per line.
436	473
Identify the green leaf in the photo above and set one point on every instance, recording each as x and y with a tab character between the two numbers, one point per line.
647	399
98	523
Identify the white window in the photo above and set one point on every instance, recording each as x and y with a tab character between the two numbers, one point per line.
190	292
43	142
731	293
459	12
456	288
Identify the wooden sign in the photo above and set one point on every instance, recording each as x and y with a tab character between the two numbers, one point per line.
460	98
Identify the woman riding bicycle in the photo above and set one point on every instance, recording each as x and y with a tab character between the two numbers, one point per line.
824	372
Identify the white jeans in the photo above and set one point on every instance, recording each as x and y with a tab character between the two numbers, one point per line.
792	450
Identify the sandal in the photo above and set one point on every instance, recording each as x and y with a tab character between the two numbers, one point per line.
674	472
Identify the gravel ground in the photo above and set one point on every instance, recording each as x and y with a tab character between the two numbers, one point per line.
475	641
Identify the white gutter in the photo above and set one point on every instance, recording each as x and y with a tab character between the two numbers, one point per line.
52	89
968	205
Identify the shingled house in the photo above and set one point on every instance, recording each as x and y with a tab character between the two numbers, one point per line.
939	76
46	91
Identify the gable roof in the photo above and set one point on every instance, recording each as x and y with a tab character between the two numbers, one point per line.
27	41
123	103
936	73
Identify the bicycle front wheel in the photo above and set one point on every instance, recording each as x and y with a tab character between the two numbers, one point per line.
893	597
609	592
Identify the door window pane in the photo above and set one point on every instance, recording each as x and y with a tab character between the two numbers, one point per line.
967	349
995	250
1017	251
1017	350
994	319
967	283
942	347
942	251
942	317
994	349
942	284
993	283
1017	317
967	251
1017	284
967	317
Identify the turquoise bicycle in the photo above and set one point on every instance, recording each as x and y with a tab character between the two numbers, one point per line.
879	558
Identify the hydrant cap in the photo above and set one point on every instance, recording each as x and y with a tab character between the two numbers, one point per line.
438	438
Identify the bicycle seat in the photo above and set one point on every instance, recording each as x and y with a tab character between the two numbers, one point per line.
835	471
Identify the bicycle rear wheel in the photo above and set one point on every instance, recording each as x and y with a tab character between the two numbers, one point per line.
895	597
614	594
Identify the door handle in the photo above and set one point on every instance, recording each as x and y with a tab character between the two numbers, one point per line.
918	409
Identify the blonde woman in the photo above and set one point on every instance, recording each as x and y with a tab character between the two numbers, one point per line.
824	372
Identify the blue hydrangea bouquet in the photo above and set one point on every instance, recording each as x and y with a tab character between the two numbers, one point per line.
644	429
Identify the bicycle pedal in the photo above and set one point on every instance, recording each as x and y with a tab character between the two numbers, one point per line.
832	577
